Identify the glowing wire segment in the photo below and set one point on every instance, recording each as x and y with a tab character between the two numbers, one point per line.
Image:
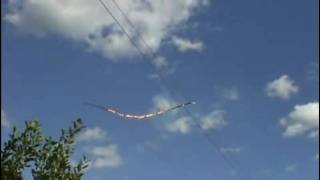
141	116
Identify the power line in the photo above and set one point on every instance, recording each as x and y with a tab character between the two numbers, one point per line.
152	52
214	143
217	146
142	54
134	28
161	77
135	45
121	27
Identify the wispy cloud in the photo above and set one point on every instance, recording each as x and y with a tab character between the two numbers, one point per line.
233	150
184	44
213	120
142	147
303	119
290	168
231	94
182	125
162	101
4	120
93	134
313	71
163	66
87	22
160	62
225	94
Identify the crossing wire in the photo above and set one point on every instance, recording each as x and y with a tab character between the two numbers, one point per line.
211	141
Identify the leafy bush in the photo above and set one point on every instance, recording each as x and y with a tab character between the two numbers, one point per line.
48	158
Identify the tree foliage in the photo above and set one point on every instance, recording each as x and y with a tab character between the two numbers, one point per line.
48	158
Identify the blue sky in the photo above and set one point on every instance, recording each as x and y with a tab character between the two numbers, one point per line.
251	66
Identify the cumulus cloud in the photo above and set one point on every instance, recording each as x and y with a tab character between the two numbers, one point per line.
185	44
93	134
303	119
88	23
101	156
213	120
233	150
4	120
184	124
282	87
106	157
181	125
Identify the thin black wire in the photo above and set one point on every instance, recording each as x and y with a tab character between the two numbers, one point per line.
217	146
161	77
134	28
121	27
214	143
153	54
136	47
142	54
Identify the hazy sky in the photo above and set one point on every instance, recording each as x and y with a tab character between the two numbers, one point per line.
252	67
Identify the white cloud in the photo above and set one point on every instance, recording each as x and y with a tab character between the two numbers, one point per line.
231	150
106	157
162	102
282	87
88	23
94	134
316	157
303	119
182	125
4	120
185	44
213	120
290	167
163	67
